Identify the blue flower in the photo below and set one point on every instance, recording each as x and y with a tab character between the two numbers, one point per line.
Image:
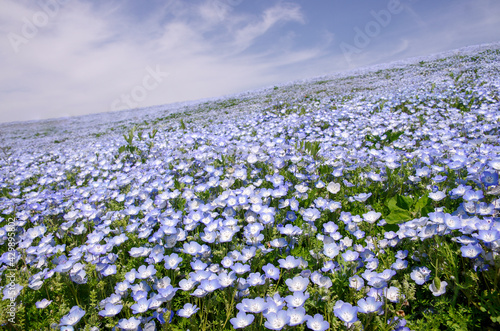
369	305
489	178
276	321
255	306
172	261
471	251
130	324
297	299
296	316
346	312
43	303
140	306
145	272
188	310
110	310
297	284
74	315
420	275
317	323
241	320
271	271
356	282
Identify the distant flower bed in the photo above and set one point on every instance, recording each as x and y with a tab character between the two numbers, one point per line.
371	209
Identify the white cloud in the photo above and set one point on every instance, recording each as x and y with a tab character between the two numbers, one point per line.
282	12
86	56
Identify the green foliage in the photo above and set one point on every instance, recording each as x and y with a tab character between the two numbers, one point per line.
404	208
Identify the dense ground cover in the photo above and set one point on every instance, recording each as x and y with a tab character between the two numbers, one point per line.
366	200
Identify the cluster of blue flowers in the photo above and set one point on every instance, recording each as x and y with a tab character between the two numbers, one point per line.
231	203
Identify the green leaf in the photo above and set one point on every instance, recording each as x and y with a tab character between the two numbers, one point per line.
392	204
404	202
391	227
422	202
398	216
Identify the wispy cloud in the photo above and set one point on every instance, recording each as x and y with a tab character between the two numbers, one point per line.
88	55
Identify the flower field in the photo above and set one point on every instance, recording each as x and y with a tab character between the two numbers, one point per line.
361	201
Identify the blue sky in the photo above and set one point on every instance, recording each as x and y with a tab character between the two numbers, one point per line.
73	57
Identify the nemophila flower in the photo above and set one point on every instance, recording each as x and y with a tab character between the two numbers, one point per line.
331	250
369	305
198	265
297	284
276	321
130	324
346	312
271	271
108	271
144	272
110	310
241	320
401	254
310	214
473	196
141	305
371	263
489	178
333	187
438	287
43	303
167	293
200	275
209	285
255	279
139	251
437	196
488	236
296	316
471	251
420	275
495	163
187	310
239	268
377	282
392	294
191	248
255	306
371	217
460	190
227	279
172	261
289	230
453	222
317	323
350	256
356	282
199	293
362	197
359	234
399	264
297	299
74	315
289	262
330	227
